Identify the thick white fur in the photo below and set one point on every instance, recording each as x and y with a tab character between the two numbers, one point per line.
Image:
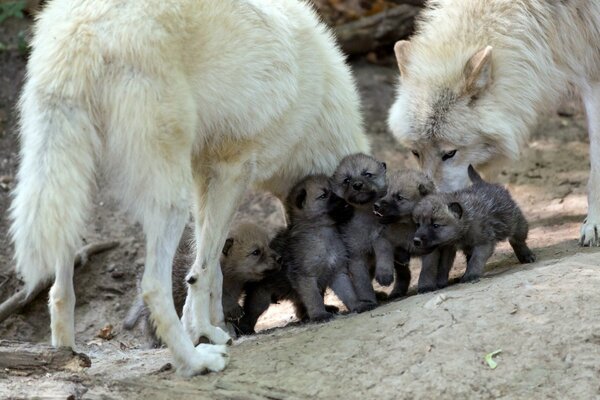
180	102
540	50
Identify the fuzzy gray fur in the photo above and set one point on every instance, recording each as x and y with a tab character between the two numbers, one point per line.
395	247
473	220
312	250
361	181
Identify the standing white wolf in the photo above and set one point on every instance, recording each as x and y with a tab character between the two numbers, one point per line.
179	102
478	73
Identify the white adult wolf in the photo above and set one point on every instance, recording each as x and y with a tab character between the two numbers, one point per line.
478	73
182	103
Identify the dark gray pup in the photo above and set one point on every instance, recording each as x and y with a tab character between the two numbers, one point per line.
395	247
361	181
473	220
312	251
246	257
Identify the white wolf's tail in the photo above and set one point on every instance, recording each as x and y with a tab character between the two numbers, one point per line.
55	178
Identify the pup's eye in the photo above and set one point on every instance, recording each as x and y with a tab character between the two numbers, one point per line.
256	252
367	174
435	226
323	196
417	224
346	181
448	155
416	153
399	197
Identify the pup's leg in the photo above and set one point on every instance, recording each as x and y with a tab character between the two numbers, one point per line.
403	276
384	261
344	289
219	189
256	302
477	261
590	231
518	242
311	297
362	282
447	256
429	272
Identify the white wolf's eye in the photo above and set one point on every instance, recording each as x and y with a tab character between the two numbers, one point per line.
415	153
448	155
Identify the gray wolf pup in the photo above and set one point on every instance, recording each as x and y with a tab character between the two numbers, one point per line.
473	220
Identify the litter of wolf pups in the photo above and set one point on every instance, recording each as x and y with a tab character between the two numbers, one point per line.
363	223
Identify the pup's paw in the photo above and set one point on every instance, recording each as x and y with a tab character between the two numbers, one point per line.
365	306
526	258
426	289
235	313
321	317
331	309
384	279
470	278
590	232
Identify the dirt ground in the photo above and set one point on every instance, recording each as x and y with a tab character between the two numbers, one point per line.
543	316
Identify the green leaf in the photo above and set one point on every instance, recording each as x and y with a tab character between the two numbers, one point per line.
489	358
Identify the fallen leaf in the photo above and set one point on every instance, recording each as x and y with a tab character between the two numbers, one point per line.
106	333
489	358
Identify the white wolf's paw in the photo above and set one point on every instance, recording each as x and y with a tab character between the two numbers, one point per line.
590	232
219	336
214	334
206	358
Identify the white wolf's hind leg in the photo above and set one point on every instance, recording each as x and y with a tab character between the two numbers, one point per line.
62	307
590	231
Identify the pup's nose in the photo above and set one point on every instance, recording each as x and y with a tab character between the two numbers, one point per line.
376	207
418	242
357	185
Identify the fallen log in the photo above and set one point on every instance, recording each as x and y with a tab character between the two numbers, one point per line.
381	29
20	299
23	356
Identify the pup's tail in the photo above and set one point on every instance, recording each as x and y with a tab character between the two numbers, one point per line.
134	314
474	175
55	179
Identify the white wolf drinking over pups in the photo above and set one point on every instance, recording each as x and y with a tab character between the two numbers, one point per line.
184	104
478	73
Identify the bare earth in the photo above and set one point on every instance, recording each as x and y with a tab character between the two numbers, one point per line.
543	316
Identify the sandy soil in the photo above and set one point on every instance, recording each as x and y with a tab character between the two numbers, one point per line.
542	316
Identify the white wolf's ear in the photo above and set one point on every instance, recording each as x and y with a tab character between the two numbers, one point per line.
478	72
402	48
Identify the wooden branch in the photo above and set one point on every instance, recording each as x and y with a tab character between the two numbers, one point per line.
384	28
22	298
40	357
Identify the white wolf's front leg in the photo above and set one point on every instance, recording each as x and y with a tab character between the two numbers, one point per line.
163	230
590	231
219	190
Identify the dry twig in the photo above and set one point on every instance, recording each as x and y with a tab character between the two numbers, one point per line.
22	298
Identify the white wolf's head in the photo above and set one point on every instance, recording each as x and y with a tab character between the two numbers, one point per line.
445	114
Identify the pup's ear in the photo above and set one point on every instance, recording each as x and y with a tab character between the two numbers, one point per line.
456	209
401	49
478	72
301	199
227	247
426	188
